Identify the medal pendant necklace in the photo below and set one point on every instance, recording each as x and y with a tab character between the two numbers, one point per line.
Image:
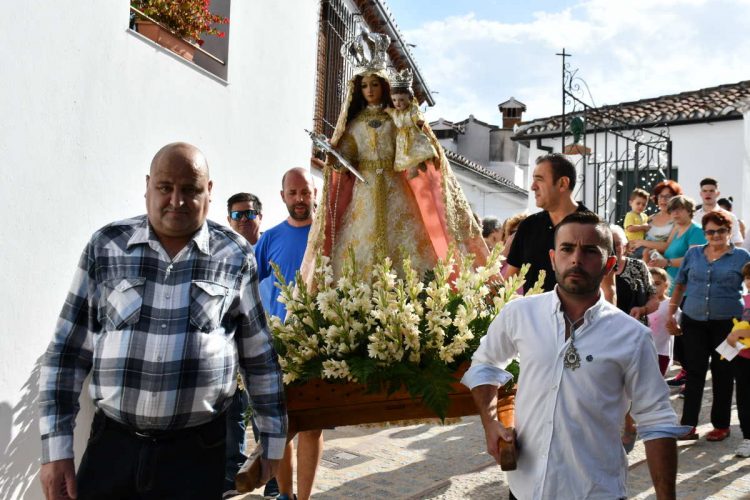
572	360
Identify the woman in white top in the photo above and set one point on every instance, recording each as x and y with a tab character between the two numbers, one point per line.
661	222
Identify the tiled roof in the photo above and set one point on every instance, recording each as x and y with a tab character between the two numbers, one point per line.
483	171
455	126
480	122
724	102
512	103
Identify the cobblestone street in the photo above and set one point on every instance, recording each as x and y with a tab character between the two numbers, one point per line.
448	462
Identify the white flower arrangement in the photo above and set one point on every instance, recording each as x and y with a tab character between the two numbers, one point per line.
394	330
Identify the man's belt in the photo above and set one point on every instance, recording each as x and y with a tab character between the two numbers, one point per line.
158	435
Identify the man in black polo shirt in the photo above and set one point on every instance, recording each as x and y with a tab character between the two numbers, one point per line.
553	183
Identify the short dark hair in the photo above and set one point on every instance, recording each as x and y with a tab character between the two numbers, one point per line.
746	270
402	90
561	167
725	203
239	197
709	181
717	217
490	224
606	240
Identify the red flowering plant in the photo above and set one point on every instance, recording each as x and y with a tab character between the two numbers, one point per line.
189	19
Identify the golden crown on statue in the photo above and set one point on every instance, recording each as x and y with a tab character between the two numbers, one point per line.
367	52
401	79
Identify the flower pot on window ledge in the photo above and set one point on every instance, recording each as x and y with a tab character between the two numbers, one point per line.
165	38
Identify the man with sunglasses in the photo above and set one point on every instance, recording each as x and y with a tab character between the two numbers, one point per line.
245	213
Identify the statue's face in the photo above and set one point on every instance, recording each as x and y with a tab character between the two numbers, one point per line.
401	101
372	89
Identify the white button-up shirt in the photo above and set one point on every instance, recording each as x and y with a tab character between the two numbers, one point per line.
568	421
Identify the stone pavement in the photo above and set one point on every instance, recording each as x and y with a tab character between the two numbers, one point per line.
448	462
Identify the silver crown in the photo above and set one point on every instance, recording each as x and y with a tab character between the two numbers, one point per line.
367	52
401	79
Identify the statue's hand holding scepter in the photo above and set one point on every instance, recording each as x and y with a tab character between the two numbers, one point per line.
322	143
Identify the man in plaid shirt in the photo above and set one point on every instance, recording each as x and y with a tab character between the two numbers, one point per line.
163	310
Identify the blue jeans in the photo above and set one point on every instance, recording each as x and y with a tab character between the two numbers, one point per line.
235	452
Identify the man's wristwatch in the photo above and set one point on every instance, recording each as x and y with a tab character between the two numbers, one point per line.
668	264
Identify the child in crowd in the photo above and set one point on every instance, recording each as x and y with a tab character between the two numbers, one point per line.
413	147
636	221
741	372
657	320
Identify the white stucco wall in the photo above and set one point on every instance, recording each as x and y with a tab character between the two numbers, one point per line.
85	106
485	199
474	143
699	150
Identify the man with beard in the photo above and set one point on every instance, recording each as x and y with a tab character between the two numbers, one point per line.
285	245
583	361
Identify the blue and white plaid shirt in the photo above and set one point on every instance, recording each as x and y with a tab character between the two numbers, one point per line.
162	337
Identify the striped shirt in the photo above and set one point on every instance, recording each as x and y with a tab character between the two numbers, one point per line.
162	337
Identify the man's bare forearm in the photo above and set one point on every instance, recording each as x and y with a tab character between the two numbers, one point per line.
661	455
485	397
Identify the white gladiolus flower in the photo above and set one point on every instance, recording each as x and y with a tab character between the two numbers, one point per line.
393	316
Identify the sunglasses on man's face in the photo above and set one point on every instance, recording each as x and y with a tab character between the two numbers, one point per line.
247	214
720	231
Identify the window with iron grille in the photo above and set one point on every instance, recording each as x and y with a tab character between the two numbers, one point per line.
337	25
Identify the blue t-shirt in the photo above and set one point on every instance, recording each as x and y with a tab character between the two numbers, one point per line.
284	245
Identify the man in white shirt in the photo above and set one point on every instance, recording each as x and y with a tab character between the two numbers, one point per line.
710	195
582	363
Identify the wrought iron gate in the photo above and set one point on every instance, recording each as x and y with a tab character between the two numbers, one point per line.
615	156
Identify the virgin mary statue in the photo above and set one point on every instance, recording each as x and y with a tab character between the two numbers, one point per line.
393	213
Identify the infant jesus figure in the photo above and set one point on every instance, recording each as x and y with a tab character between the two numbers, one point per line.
413	147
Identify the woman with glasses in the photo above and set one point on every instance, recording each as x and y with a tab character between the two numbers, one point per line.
661	222
710	279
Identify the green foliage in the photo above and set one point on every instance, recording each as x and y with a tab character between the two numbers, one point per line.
393	332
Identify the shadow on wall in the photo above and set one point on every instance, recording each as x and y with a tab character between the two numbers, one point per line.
19	461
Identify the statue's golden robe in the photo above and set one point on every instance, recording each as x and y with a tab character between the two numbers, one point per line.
383	217
393	215
412	145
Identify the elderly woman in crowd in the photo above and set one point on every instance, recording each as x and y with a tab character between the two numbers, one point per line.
492	231
661	222
710	279
684	235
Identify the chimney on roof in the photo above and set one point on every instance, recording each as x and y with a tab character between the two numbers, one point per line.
512	111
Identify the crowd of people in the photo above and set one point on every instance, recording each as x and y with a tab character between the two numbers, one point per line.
167	308
682	270
168	313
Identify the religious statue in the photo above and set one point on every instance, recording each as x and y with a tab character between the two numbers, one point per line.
410	203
